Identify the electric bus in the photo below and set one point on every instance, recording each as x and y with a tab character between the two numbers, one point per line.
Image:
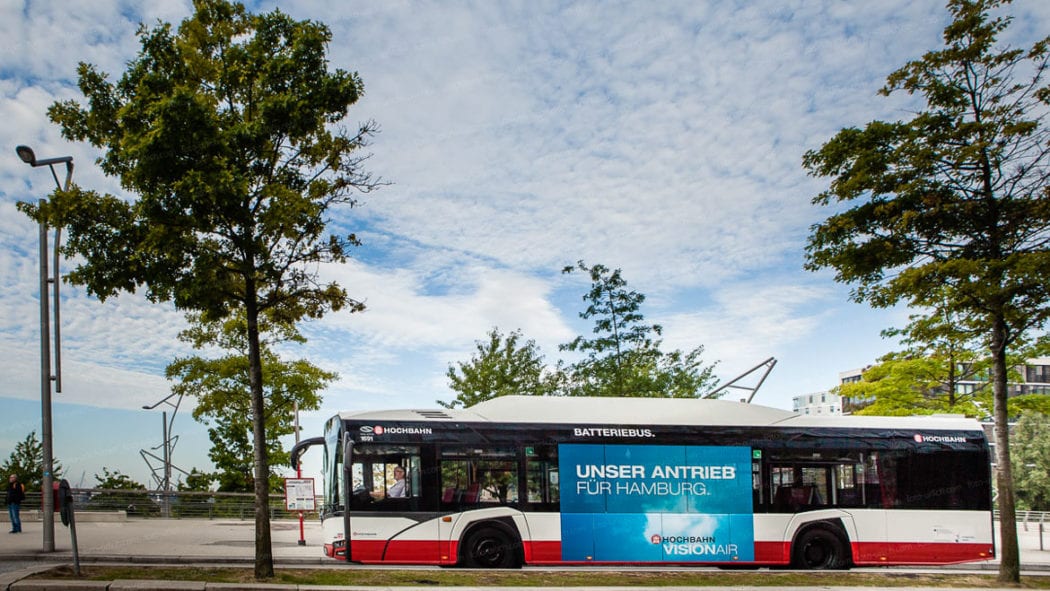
526	480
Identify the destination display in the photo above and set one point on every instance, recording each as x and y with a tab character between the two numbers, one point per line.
648	503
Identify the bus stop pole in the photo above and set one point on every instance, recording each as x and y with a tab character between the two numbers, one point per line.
73	540
299	474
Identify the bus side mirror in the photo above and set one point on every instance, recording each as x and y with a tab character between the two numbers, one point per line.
348	451
299	448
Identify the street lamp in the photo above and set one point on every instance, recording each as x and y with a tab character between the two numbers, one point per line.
164	481
27	156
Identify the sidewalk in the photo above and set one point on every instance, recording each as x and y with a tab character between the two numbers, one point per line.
166	541
200	541
225	540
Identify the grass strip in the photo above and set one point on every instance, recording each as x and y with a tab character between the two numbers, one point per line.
539	578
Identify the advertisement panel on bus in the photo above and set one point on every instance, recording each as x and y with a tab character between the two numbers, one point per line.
644	503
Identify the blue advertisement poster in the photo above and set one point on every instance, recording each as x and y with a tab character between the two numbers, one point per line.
650	503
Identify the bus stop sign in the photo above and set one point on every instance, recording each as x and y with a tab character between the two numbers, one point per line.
299	494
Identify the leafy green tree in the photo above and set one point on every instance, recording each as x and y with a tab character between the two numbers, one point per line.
1031	460
27	461
222	387
624	356
949	211
117	480
229	131
120	493
1034	403
197	481
501	365
904	384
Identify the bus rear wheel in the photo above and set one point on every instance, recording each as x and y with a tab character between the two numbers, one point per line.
819	549
489	547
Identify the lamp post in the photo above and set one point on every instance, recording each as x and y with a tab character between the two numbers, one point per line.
27	156
168	442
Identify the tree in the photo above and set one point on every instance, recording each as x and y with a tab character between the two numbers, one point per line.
121	493
624	358
1031	460
116	480
197	481
499	366
222	389
229	131
27	461
905	384
949	211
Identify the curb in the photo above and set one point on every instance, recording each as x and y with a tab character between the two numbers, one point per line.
67	558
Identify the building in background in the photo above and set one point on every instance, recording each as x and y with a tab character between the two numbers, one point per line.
817	403
1031	378
850	404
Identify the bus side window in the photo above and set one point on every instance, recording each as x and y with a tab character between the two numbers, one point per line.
472	476
541	477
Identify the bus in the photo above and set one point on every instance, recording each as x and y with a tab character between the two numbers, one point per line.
526	480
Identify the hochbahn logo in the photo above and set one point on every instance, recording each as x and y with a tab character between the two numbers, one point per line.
920	438
381	430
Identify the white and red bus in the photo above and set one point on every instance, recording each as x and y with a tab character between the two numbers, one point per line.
558	480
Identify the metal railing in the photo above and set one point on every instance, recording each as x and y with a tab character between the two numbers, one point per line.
216	505
176	504
1027	517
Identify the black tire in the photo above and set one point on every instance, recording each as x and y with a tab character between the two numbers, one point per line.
490	547
819	549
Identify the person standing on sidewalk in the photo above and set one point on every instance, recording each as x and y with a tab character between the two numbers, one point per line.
16	493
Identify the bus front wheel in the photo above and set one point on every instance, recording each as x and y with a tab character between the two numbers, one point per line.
489	547
819	549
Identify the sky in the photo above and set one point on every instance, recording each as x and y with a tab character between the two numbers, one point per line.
662	138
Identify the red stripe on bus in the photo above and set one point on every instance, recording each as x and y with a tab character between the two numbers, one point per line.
542	552
870	553
770	553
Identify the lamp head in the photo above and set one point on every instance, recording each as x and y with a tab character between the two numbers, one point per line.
26	154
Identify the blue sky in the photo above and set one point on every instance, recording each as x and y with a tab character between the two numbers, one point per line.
662	138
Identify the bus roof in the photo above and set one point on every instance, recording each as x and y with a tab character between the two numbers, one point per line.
649	411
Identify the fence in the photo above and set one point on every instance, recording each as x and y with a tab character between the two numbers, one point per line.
176	504
219	505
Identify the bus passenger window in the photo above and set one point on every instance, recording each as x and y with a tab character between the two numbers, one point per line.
849	485
542	476
473	476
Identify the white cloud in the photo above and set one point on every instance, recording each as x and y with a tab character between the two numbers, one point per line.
661	138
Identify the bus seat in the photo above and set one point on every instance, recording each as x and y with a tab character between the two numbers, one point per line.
471	495
793	497
814	496
449	496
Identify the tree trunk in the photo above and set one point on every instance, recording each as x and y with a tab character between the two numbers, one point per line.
263	546
1009	555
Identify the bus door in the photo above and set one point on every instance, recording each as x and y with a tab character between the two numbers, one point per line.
838	482
475	478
